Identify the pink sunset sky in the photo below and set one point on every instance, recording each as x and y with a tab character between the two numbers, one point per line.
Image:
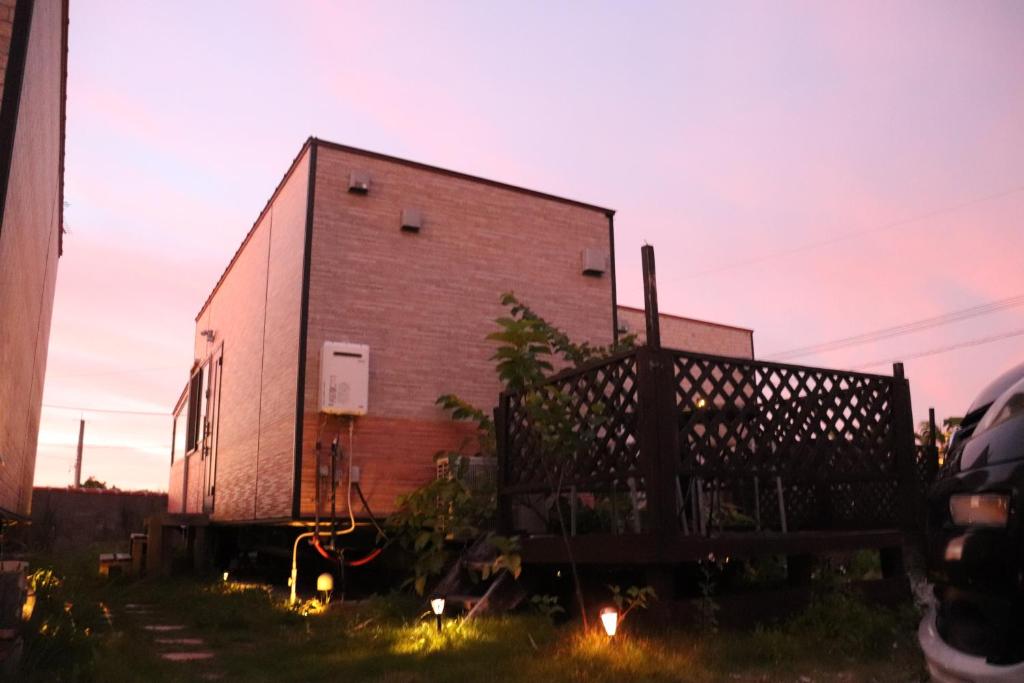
810	170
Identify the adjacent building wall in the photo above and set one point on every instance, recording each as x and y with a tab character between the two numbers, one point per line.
33	42
687	334
6	30
424	302
254	314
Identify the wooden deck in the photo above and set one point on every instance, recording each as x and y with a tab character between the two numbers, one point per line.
811	460
648	549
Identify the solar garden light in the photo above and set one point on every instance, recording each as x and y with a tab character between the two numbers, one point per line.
437	604
324	586
610	620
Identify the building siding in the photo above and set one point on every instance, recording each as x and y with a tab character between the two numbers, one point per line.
687	334
425	302
254	313
176	487
29	243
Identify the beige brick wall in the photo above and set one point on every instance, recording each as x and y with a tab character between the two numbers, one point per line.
29	236
687	334
425	302
254	313
176	487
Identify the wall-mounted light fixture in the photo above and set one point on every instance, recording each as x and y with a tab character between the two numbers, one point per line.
210	335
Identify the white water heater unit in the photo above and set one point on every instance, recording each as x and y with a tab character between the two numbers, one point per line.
344	378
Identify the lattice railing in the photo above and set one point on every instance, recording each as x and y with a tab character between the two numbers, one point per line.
743	417
697	442
824	435
601	396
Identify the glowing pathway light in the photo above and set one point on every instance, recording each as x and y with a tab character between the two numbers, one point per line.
324	586
610	620
437	604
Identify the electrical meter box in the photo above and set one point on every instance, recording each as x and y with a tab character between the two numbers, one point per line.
344	378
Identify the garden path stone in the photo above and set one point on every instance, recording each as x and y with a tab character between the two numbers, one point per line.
179	641
185	656
162	628
170	641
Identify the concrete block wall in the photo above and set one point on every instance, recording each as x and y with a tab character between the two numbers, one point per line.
68	519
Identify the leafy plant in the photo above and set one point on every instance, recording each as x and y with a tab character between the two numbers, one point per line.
528	346
442	511
634	597
547	605
943	434
448	509
707	605
508	558
60	636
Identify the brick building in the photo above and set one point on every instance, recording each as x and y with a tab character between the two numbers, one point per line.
33	78
404	258
700	336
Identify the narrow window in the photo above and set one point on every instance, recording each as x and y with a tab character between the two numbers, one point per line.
196	409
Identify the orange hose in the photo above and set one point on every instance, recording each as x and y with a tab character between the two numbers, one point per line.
365	560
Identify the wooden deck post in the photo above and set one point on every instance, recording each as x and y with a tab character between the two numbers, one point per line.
659	439
651	297
501	446
933	448
909	500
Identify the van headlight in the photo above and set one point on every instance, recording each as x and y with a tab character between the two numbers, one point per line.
980	509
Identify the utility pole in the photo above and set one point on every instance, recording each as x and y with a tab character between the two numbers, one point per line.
78	458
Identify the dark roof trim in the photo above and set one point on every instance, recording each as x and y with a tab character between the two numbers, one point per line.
693	320
63	121
464	176
248	236
611	268
300	388
14	77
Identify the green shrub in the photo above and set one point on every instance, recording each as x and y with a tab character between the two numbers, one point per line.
61	637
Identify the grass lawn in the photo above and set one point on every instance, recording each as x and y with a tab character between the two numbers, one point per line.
390	639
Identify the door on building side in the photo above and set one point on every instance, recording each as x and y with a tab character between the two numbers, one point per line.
210	429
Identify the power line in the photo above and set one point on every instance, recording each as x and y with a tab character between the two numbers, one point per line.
856	233
114	372
105	446
944	349
79	409
899	330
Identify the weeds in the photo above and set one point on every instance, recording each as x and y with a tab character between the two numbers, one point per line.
707	606
257	638
61	635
